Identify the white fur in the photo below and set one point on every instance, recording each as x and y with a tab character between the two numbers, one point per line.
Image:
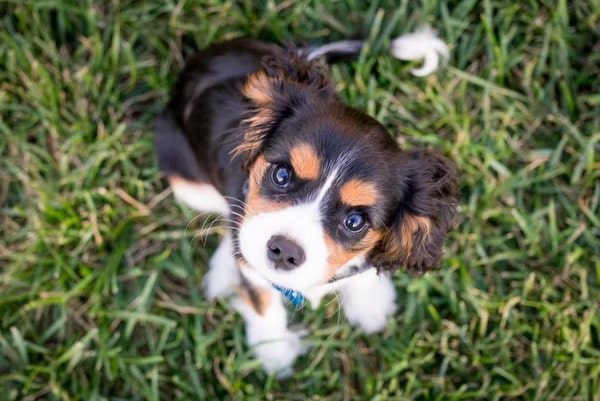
423	44
368	300
302	224
315	294
223	275
272	342
201	197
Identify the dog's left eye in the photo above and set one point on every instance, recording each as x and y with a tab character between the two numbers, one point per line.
281	175
355	222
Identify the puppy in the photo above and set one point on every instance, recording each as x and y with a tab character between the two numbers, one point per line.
319	195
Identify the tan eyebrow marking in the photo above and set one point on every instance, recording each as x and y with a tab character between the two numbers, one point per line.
255	203
359	193
305	161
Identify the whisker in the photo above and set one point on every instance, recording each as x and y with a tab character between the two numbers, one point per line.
208	230
207	227
202	233
228	220
193	239
241	204
235	201
338	312
192	220
238	207
237	213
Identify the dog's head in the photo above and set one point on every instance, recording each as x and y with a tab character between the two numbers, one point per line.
328	186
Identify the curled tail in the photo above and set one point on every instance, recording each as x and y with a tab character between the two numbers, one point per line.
423	44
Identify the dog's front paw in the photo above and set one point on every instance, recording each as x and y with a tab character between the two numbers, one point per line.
369	302
223	276
217	283
372	321
277	354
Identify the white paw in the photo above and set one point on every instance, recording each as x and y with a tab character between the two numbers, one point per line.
274	344
223	276
369	302
216	284
372	322
277	354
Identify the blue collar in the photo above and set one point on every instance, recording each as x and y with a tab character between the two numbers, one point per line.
297	298
293	296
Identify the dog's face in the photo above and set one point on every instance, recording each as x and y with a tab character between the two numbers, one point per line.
328	186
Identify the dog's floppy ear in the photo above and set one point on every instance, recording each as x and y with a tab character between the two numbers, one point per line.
425	213
286	82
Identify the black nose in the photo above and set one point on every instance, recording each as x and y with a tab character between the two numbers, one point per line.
284	253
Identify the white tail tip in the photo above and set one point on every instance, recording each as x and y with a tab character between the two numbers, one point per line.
423	44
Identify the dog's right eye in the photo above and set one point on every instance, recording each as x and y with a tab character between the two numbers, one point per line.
281	175
355	222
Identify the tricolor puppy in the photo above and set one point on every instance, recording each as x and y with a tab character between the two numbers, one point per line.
319	196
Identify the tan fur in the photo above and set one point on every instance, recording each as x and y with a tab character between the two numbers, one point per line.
257	171
305	161
252	136
256	203
339	256
260	298
258	89
359	193
410	226
175	180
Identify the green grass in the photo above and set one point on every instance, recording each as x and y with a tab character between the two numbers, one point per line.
100	282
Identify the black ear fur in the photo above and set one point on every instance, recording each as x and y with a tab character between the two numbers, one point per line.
286	81
425	214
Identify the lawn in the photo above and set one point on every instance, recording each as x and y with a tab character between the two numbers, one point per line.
100	269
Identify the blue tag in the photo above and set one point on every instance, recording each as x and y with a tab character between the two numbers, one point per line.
293	296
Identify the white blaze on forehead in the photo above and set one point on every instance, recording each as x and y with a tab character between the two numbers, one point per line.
325	188
300	223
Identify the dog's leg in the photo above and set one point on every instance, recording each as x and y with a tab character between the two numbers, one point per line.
368	301
199	196
223	276
274	344
190	182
